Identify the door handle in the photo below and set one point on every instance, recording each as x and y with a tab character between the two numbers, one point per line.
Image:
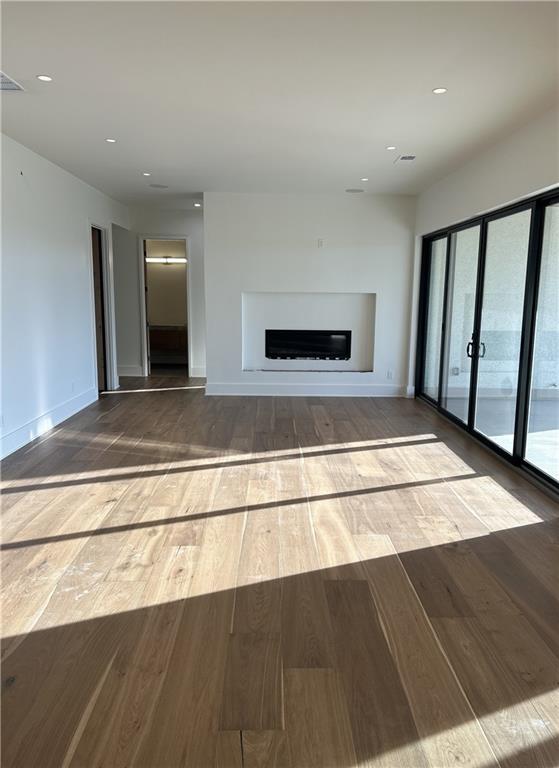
481	352
469	348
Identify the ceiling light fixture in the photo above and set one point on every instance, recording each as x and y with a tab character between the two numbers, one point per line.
364	179
145	173
44	78
390	148
438	91
354	191
165	260
110	141
197	205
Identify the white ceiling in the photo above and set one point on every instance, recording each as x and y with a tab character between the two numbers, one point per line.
272	96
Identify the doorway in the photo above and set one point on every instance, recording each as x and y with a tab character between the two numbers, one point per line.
99	303
166	306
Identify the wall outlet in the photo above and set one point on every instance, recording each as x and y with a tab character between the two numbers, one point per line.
389	374
455	371
319	243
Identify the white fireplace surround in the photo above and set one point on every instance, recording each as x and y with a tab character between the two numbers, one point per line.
267	247
308	311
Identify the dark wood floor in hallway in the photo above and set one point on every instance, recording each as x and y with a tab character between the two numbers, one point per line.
243	582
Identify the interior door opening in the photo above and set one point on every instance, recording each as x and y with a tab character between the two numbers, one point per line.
99	302
166	297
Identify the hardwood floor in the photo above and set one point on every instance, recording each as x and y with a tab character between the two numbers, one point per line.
244	582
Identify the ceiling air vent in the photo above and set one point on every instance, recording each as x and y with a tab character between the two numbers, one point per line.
7	84
405	159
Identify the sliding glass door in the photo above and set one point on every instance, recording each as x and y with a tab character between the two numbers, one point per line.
437	260
460	309
498	350
542	440
488	353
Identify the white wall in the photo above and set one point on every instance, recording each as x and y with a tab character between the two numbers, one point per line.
518	165
269	242
47	329
155	221
167	294
128	310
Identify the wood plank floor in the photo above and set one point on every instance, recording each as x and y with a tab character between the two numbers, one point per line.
244	582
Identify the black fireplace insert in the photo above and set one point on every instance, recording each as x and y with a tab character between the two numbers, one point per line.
307	345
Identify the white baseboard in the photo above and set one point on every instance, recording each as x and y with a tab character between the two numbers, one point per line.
304	390
198	371
130	370
410	391
20	436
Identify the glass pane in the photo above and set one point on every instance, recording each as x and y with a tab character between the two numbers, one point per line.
501	326
542	444
462	275
434	318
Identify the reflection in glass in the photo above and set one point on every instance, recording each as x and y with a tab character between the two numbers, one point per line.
501	327
434	318
542	443
462	274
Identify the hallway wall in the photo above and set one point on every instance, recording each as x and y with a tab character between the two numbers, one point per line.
47	324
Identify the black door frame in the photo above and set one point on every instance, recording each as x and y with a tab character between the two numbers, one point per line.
101	246
537	204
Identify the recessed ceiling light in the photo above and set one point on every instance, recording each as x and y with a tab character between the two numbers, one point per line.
145	173
110	141
438	91
44	78
364	179
197	205
390	148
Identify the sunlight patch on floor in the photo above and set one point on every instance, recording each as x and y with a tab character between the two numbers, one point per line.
140	571
200	457
526	724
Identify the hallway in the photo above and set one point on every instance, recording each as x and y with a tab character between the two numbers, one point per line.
274	582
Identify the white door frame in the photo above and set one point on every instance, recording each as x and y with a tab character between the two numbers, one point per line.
142	283
108	303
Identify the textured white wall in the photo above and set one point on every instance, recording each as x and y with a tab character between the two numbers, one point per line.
48	342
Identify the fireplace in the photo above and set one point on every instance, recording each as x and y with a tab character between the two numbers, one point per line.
307	344
296	333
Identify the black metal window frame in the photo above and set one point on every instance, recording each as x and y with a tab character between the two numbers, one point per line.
537	205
